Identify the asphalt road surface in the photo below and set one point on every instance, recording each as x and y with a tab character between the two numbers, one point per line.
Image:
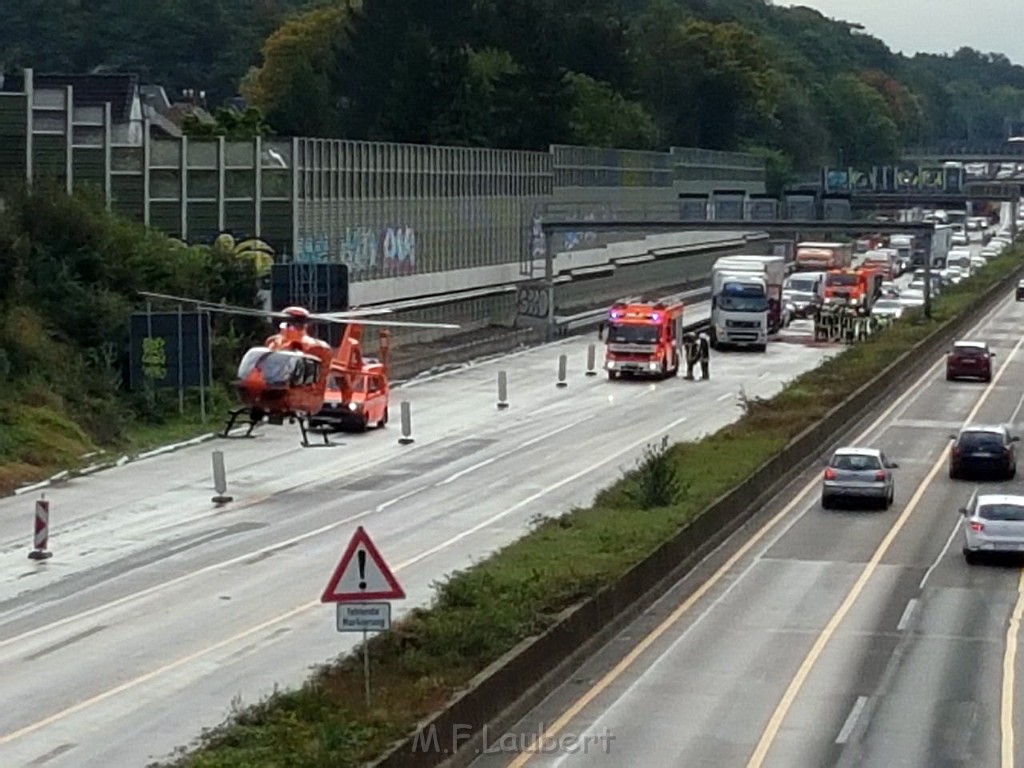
158	608
814	638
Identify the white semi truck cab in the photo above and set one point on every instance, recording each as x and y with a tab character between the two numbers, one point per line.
739	309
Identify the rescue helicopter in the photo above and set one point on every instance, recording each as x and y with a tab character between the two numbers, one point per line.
298	377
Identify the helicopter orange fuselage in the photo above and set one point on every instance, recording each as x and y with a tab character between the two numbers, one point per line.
285	377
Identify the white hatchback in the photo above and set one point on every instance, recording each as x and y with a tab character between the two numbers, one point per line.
993	523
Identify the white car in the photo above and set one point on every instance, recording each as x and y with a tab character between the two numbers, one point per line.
959	238
951	275
993	523
889	308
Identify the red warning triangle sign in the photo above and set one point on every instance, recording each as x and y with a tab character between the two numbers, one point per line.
362	574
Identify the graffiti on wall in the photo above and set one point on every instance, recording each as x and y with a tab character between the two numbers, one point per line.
390	250
387	251
312	250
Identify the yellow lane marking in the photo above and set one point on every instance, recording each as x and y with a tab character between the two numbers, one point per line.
611	676
789	697
1009	673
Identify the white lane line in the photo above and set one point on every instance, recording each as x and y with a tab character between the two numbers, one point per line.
942	554
726	396
300	609
539	495
520	447
908	613
184	577
851	720
1016	411
900	407
391	502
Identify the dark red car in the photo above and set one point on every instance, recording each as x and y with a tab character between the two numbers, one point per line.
969	360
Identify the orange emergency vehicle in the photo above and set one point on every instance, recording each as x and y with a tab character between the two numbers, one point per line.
644	339
857	288
358	390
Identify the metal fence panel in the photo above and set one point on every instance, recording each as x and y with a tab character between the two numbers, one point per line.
391	210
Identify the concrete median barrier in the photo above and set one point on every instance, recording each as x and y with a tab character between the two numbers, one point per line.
511	687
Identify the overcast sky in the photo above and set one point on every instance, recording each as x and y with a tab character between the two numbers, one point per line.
934	26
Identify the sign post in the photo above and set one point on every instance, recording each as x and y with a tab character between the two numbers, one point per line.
361	586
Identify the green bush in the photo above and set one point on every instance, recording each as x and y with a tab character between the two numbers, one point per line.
71	276
481	613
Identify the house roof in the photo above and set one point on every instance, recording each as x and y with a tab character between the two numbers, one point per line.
90	90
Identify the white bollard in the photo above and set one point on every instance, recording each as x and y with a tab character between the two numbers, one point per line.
406	437
502	390
41	537
562	362
591	360
220	479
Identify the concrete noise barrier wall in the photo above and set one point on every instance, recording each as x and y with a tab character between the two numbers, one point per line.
515	684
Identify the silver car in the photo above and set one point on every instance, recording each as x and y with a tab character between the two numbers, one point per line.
858	474
890	308
993	522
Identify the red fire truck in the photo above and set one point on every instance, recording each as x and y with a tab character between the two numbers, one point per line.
644	339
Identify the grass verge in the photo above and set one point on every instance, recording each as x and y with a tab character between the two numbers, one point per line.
481	613
38	438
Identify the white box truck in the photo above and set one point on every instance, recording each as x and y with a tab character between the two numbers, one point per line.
746	300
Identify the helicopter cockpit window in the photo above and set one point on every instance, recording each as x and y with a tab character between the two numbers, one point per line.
252	361
279	368
305	372
276	367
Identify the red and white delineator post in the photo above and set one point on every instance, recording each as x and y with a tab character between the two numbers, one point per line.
42	530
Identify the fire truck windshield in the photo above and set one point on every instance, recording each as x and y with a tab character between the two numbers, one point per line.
632	333
843	279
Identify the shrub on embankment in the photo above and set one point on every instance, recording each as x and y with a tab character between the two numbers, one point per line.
482	613
69	275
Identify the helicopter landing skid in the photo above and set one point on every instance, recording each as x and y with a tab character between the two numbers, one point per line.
305	429
254	421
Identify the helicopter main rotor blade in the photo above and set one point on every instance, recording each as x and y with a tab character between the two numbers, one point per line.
399	324
334	317
212	307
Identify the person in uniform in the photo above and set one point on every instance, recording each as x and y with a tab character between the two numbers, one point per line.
705	356
692	351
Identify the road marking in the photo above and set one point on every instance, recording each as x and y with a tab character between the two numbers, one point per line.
726	396
908	612
942	554
1016	411
627	661
803	672
520	447
226	563
169	667
7	738
1009	673
851	720
402	497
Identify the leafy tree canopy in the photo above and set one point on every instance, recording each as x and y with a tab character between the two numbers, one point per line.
727	74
